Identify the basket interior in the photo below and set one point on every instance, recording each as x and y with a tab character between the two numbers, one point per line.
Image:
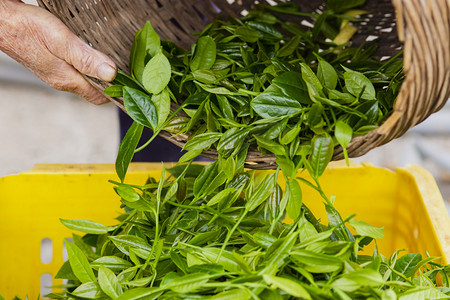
110	26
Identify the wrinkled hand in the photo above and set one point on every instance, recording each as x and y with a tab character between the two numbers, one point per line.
43	44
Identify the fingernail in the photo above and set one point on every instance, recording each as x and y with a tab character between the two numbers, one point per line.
106	72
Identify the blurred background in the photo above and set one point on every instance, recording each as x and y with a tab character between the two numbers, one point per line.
39	125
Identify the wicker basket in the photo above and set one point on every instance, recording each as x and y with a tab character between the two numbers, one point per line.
421	27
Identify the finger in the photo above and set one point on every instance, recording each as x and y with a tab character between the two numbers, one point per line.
88	61
90	93
65	77
39	41
80	86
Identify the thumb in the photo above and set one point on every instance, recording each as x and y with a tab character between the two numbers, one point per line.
67	46
89	61
64	44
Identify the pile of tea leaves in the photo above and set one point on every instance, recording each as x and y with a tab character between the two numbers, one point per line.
261	83
194	233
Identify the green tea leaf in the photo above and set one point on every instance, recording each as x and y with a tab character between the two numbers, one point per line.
128	274
126	149
341	98
113	263
187	283
108	282
370	109
199	112
122	79
86	226
241	294
313	83
287	166
79	263
146	42
125	242
268	31
366	229
322	152
220	196
161	102
212	89
271	146
229	167
406	265
88	290
176	124
114	91
247	34
262	192
309	235
292	85
205	178
289	136
356	83
151	39
272	105
275	202
202	141
84	247
290	47
128	193
231	141
179	261
141	294
65	272
419	293
277	253
205	76
157	74
189	220
327	74
205	54
190	155
343	5
140	107
356	279
225	107
264	239
227	260
315	262
344	134
275	131
139	282
315	119
294	205
204	238
289	286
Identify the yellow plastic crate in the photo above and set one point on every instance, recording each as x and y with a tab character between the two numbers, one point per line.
406	202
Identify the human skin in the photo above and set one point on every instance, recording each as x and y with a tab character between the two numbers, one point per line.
44	45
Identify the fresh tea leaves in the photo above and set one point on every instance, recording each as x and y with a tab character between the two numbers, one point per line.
213	237
243	74
216	231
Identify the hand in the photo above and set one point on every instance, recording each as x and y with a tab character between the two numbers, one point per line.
43	44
